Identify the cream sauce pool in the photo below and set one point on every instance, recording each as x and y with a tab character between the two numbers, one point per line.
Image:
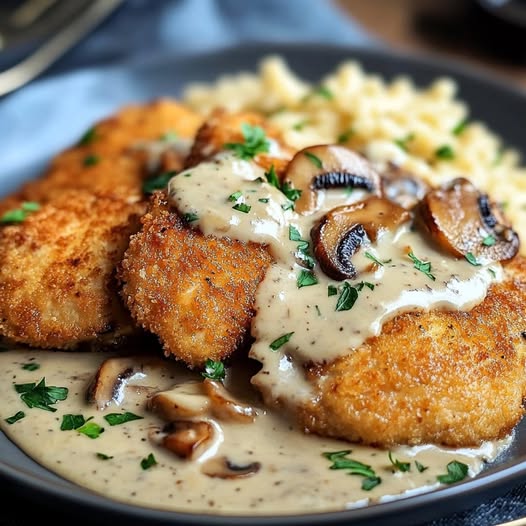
295	303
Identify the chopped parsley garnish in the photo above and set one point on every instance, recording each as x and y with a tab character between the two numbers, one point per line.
19	214
323	91
70	422
148	462
420	467
88	137
339	461
290	193
303	248
331	290
272	177
345	136
191	216
306	278
348	297
314	159
242	207
116	419
489	241
282	340
255	142
492	272
300	125
400	466
31	366
91	160
157	183
460	127
445	152
103	456
91	430
214	370
15	418
472	259
169	136
422	266
456	471
294	234
403	142
263	200
362	284
235	196
40	395
372	257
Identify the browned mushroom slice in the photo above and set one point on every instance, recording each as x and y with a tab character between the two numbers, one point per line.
403	187
224	407
182	401
109	383
189	439
223	468
340	233
462	220
328	166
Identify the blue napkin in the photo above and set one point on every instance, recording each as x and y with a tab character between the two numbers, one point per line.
97	76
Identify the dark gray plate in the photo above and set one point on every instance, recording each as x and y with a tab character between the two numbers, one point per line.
494	102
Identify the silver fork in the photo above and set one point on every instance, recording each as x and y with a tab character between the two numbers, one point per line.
30	67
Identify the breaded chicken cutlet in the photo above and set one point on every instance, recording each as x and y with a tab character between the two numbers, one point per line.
57	287
195	292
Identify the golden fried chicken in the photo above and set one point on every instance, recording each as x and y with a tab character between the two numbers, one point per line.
57	284
445	377
57	275
196	293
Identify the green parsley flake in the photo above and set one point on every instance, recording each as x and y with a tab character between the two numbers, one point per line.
91	430
290	193
460	127
306	278
420	467
422	266
400	466
148	462
116	419
235	196
255	142
91	160
472	259
242	207
88	137
169	136
191	216
492	272
41	396
456	471
15	418
263	200
489	241
331	290
445	152
32	366
372	257
403	142
314	159
294	233
214	370
340	461
300	125
19	215
362	284
272	177
282	340
157	183
103	456
345	136
70	422
348	297
323	91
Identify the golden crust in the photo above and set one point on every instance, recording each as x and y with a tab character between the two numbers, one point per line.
196	293
453	378
57	272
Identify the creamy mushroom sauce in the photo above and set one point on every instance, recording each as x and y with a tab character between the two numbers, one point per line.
294	475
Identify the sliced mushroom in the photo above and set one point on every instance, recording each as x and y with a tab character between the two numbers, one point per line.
223	468
328	166
109	383
182	401
340	233
224	407
461	219
189	439
403	187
